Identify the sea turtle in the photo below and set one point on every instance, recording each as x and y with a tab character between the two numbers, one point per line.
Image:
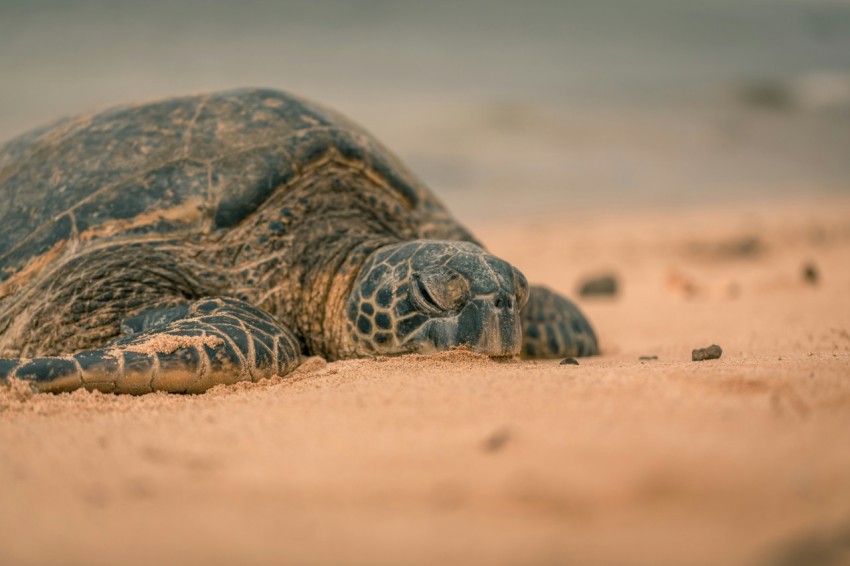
209	239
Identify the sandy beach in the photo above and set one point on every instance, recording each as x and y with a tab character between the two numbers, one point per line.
460	459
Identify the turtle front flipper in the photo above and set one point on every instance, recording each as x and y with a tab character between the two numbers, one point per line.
554	327
217	341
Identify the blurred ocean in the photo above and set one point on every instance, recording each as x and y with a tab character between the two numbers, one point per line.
498	105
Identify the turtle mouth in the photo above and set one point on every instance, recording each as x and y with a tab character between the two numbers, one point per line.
480	326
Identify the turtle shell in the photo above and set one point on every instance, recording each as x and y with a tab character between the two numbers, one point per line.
177	168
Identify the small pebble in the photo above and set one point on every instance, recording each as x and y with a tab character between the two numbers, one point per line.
768	95
569	362
810	274
711	353
605	285
647	358
746	246
497	440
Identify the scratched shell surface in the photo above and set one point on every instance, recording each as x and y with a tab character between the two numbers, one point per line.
182	167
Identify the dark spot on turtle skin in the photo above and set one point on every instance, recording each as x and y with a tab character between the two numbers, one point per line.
45	370
235	333
408	325
8	366
530	349
382	321
367	308
565	334
352	310
265	327
364	325
137	363
403	308
277	227
402	253
400	271
469	325
382	338
338	185
376	276
533	331
262	355
552	341
403	290
384	298
94	360
285	213
182	359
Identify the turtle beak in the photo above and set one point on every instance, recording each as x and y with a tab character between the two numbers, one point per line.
491	326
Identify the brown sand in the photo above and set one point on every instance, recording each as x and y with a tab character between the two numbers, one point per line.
460	459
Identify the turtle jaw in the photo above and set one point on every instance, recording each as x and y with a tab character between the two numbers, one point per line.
481	326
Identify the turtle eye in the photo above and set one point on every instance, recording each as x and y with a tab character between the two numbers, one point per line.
440	289
422	297
521	286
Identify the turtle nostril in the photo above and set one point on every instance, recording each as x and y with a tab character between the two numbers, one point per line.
502	303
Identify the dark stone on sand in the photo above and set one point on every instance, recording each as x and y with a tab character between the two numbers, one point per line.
711	353
647	358
569	362
604	285
497	440
768	95
810	274
737	247
745	246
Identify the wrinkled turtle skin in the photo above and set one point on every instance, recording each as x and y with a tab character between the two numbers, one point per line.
200	240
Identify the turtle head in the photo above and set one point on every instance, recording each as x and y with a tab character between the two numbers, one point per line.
428	296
